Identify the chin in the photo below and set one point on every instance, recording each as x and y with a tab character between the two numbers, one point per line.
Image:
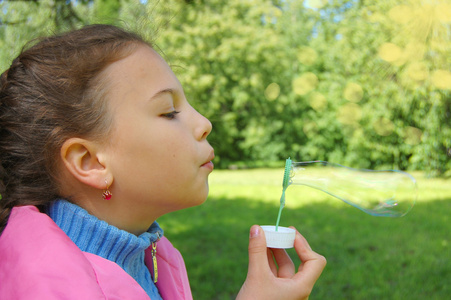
201	199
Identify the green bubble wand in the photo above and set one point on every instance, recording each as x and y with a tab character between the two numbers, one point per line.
286	182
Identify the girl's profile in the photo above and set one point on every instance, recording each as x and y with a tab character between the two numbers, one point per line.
97	141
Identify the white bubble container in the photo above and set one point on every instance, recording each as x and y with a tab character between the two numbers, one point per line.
283	238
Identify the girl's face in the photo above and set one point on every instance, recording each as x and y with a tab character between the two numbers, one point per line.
158	152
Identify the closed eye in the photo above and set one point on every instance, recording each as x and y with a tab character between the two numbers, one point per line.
170	115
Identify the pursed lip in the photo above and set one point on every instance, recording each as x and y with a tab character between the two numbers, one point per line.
209	164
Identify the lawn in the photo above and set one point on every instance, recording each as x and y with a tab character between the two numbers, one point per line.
368	257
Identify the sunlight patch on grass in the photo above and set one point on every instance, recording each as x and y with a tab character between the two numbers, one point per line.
270	177
266	185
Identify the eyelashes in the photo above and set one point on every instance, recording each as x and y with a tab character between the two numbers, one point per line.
171	115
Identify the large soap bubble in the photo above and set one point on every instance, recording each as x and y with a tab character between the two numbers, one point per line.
389	193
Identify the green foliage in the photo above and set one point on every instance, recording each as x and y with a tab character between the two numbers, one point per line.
358	83
287	80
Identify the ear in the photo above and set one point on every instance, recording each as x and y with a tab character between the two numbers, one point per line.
84	160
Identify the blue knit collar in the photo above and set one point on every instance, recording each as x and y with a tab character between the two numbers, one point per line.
98	237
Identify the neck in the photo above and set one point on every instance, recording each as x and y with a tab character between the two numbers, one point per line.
125	218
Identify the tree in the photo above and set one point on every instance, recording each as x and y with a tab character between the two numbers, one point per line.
362	83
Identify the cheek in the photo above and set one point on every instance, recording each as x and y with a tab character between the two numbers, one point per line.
133	138
152	151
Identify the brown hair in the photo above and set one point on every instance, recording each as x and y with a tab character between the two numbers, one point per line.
53	91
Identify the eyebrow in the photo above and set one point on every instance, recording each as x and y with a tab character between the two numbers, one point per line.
164	91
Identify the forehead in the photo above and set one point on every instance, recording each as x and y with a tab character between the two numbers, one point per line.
143	69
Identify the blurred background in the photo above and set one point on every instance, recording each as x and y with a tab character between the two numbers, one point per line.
362	83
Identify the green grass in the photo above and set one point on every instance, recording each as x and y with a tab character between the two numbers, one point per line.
368	257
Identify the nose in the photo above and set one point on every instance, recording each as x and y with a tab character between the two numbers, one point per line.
203	127
207	127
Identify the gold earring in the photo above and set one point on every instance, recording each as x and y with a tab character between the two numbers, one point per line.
106	193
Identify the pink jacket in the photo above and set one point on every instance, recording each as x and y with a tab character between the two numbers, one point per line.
39	261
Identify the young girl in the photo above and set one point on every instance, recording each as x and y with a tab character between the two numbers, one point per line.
97	141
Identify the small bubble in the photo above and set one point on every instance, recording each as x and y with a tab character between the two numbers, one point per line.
417	71
205	80
272	91
441	79
414	51
317	101
349	114
390	52
412	135
353	92
305	83
383	126
255	80
307	56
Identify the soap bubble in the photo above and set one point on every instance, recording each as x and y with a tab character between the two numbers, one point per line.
349	114
390	52
317	101
412	135
417	71
414	51
272	91
378	193
307	56
442	79
383	126
305	83
353	92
